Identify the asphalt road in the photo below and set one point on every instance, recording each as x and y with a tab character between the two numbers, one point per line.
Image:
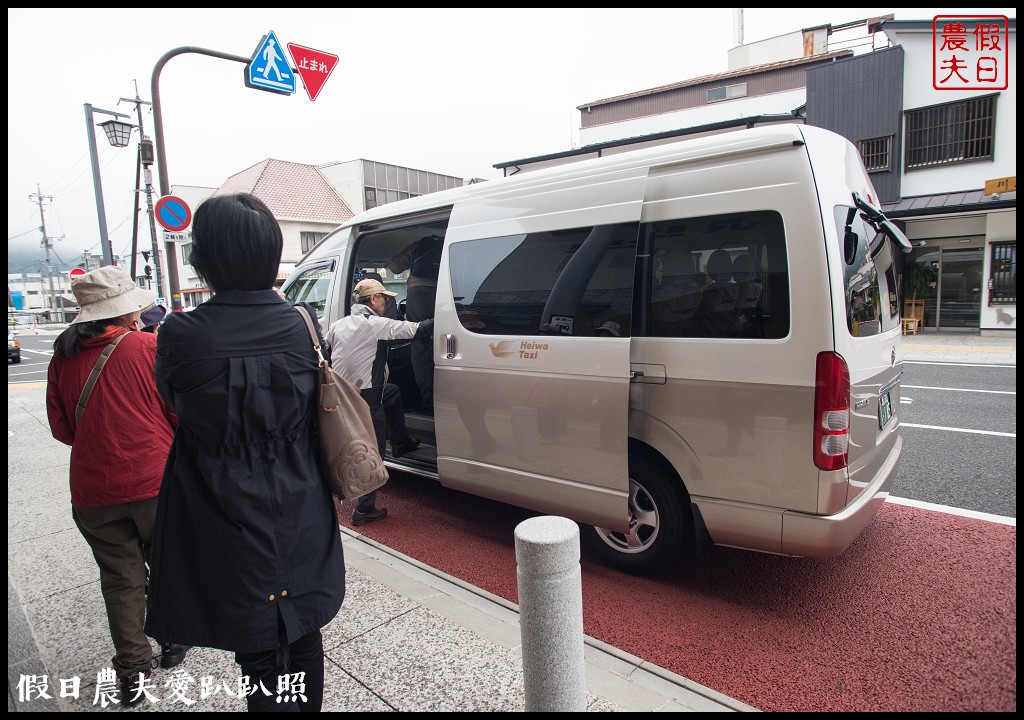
959	423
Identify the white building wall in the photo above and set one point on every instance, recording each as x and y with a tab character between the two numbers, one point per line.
781	47
773	104
918	92
1000	227
347	180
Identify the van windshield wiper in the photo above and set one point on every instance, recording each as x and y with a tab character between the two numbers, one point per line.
882	224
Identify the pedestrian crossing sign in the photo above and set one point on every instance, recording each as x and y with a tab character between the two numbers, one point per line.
269	69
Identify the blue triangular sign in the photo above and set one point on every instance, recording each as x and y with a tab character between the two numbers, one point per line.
269	69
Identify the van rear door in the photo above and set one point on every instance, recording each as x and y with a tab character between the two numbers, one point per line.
531	344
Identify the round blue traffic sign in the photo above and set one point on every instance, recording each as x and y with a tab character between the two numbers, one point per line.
172	213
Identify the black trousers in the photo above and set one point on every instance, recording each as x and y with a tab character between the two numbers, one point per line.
419	306
372	396
305	655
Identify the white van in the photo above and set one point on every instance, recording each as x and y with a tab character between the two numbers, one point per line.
686	344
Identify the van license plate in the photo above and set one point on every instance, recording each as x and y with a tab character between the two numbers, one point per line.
884	409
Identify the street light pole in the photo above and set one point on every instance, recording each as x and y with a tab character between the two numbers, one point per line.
161	156
107	251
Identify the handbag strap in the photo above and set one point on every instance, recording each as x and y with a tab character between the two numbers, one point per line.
312	334
95	375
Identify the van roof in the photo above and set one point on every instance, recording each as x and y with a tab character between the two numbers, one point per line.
690	149
751	139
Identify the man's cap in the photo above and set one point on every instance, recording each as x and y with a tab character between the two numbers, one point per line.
109	293
153	316
367	287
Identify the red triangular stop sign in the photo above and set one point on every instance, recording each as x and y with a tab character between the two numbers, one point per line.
313	66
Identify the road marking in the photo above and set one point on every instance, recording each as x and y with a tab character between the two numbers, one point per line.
938	348
929	387
947	364
963	430
1002	520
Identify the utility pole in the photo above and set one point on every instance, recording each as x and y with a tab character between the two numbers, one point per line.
146	161
46	245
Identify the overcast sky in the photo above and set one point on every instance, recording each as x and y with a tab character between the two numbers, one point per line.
445	90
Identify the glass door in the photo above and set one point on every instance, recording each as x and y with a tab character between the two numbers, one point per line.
960	288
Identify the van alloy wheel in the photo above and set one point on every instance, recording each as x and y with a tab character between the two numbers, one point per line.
643	523
659	522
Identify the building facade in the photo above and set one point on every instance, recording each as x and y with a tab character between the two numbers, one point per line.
931	152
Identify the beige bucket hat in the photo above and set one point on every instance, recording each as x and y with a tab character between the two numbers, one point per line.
368	287
109	293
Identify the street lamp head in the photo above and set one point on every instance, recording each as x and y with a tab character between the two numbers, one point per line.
117	132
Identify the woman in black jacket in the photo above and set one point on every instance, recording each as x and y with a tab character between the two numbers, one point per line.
247	555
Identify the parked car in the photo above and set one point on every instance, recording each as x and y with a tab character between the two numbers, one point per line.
13	347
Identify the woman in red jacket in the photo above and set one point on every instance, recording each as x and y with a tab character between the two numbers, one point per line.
119	445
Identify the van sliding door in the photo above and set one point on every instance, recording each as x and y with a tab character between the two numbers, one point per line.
531	344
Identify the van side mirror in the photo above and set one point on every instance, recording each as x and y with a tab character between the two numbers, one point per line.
850	238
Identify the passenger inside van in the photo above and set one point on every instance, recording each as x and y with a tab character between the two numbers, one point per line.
423	261
714	316
749	294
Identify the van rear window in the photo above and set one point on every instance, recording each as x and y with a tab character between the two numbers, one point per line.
721	276
870	282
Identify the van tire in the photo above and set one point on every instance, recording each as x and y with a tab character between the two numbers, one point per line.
660	523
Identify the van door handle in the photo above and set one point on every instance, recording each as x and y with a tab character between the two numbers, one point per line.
449	347
647	373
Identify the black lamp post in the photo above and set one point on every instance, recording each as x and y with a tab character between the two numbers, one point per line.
119	134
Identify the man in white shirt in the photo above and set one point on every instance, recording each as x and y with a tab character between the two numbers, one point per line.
352	342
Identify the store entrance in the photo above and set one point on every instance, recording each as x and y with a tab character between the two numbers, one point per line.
952	294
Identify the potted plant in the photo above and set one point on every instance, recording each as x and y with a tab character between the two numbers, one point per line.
916	279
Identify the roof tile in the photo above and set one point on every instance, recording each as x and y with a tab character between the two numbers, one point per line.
291	190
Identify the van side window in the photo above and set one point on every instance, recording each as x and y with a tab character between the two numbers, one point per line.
870	283
722	276
574	282
311	287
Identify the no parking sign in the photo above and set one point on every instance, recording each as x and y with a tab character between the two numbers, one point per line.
172	213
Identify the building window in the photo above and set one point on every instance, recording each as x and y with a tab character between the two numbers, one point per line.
308	239
727	93
952	133
186	254
875	153
1002	280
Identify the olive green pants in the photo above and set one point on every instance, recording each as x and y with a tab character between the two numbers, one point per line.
120	537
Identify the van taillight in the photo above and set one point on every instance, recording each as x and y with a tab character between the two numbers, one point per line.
831	412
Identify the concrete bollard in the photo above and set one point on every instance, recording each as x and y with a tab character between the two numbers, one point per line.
551	614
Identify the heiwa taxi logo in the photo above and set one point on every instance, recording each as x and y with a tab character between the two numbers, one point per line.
501	350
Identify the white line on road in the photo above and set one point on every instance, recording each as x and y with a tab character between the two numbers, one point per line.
929	387
952	364
953	511
963	430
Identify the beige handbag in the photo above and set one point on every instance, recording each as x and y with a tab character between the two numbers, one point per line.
349	458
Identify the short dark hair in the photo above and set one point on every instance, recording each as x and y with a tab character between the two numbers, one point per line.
236	243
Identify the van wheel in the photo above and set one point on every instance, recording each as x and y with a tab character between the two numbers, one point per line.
659	523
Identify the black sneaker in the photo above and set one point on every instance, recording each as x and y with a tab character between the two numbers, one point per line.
359	518
405	447
131	693
172	655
